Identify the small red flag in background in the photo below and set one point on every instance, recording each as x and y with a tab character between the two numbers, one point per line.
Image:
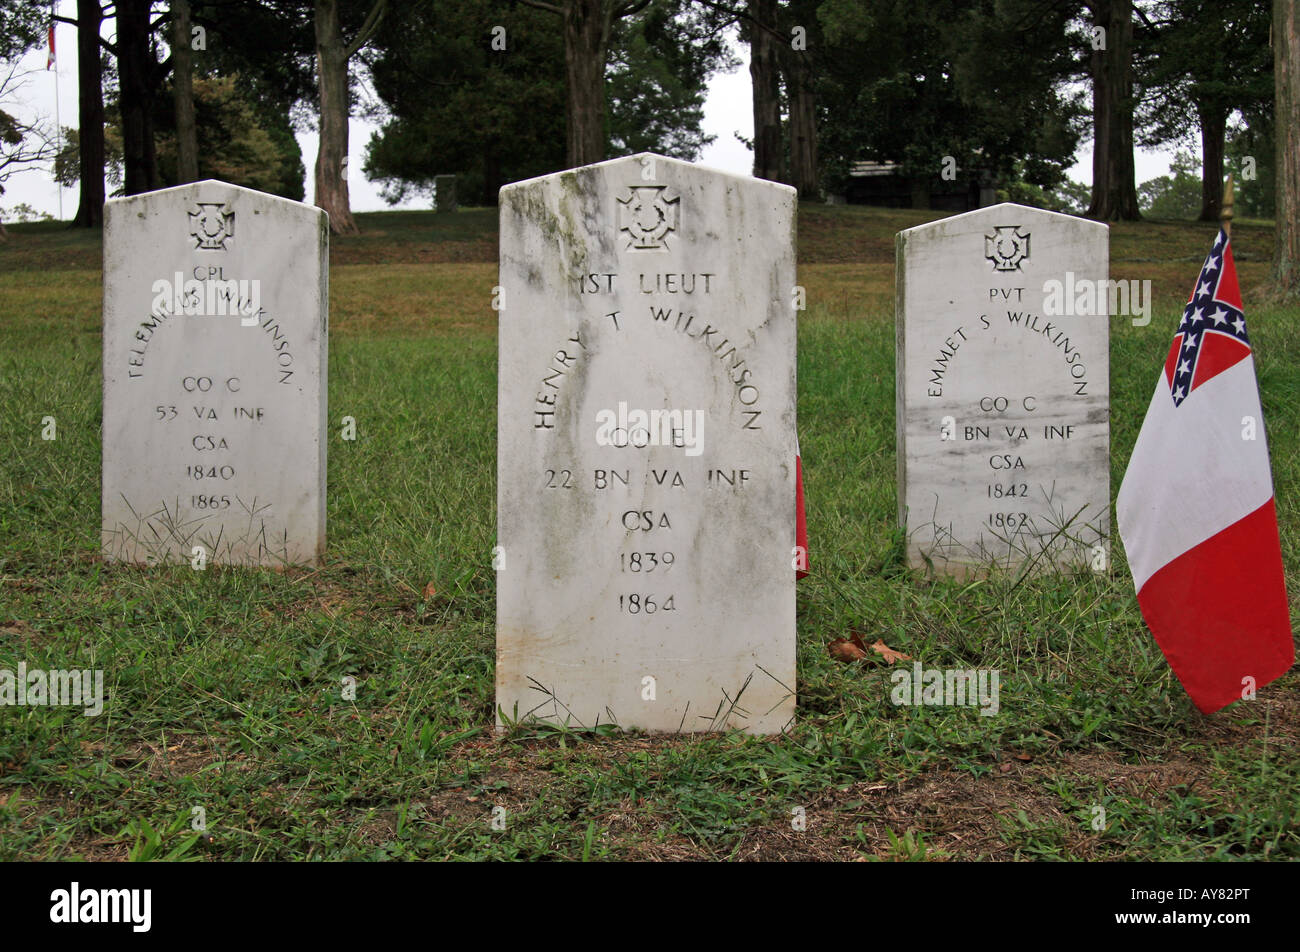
1196	510
800	520
49	60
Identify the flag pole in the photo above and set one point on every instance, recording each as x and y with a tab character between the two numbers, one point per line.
1225	211
58	128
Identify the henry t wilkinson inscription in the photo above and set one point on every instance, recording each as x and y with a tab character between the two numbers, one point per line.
646	449
1003	412
214	377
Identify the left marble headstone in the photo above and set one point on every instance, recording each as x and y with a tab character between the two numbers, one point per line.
215	353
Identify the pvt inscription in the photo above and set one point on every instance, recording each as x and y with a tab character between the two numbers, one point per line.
1003	406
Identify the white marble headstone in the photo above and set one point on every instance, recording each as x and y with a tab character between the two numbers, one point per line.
1003	391
646	455
215	336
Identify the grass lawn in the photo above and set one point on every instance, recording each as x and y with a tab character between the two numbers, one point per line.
224	686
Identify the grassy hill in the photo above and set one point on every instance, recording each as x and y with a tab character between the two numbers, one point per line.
224	685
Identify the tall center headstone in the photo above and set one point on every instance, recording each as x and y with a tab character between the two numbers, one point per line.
215	336
646	449
1003	392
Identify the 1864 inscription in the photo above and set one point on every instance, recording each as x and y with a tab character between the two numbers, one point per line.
646	450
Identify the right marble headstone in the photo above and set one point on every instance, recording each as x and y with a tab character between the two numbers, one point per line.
1003	391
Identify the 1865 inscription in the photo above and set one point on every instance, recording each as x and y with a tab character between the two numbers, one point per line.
214	378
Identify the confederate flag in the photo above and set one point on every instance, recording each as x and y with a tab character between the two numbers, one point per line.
800	520
1195	510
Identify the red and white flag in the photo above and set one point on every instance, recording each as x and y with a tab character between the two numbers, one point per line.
1195	509
800	520
49	59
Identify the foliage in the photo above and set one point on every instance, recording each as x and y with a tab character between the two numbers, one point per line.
454	101
1250	147
1177	195
239	141
656	81
1205	55
1069	197
915	81
23	144
22	26
453	104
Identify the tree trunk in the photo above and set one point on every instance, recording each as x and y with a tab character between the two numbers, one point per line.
331	159
493	178
135	67
1286	85
803	123
1114	184
1214	126
920	190
765	77
586	39
90	115
187	148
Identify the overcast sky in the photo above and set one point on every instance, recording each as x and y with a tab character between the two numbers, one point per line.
726	113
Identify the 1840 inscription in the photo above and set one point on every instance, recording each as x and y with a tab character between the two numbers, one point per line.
214	378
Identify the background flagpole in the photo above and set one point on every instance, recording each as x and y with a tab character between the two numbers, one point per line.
1225	212
58	128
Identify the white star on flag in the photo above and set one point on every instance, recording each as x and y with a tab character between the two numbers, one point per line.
1197	513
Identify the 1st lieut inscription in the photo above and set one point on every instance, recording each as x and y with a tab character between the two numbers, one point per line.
646	449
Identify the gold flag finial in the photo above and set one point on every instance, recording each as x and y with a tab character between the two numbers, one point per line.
1225	212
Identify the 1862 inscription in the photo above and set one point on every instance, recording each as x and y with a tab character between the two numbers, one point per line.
1003	411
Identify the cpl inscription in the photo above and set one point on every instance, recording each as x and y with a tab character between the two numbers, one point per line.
213	403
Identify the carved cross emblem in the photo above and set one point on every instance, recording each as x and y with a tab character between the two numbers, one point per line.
1006	247
211	225
647	216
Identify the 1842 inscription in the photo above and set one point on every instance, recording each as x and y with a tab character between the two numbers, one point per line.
1003	410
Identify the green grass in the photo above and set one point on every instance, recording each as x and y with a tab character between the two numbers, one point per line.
225	686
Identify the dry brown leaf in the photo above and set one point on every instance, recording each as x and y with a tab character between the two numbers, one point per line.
842	649
889	654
